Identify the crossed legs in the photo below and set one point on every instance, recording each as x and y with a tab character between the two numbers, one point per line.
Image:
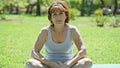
32	63
83	63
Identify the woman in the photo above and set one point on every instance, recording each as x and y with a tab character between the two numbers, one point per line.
58	39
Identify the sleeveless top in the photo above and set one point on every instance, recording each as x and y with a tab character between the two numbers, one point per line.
59	51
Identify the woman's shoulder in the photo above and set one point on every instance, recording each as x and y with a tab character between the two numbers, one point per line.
72	28
74	31
44	30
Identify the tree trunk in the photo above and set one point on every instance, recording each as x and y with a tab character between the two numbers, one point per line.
38	11
82	8
89	7
115	7
102	2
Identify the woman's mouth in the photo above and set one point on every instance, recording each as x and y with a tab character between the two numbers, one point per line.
58	20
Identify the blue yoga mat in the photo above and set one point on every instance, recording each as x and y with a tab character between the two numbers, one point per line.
106	66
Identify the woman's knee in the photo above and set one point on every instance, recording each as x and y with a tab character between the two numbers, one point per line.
32	63
88	63
83	63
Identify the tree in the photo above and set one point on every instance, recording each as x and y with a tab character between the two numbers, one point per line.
102	2
115	7
38	10
38	4
82	8
86	7
110	3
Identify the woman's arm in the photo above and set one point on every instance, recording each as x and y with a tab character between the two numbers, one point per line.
80	46
38	46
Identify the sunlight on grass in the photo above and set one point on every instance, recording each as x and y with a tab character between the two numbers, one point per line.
18	35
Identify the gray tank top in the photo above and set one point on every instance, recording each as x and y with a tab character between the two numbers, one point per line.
58	51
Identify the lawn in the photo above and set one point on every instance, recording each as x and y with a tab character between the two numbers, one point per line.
19	32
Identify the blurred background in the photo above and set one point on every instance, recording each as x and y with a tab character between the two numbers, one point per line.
84	7
98	21
97	8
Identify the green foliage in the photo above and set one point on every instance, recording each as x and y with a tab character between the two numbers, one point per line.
96	2
98	11
115	21
2	17
101	20
73	13
1	4
107	21
74	3
46	3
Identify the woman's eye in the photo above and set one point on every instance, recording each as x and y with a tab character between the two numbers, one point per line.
54	14
61	13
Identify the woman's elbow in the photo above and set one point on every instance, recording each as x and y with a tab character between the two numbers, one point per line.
33	53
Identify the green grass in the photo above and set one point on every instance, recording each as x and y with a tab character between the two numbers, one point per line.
19	32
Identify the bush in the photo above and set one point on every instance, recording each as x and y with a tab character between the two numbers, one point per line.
2	17
115	21
73	13
98	11
101	20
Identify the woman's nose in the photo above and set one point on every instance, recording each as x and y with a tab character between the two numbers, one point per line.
57	16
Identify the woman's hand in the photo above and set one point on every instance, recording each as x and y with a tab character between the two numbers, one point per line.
58	65
54	64
62	65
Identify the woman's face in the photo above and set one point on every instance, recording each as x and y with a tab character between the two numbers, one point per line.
58	15
58	18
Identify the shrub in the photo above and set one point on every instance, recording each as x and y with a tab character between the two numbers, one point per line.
101	20
73	13
2	17
98	11
115	21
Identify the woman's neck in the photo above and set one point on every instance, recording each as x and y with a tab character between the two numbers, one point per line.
59	28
